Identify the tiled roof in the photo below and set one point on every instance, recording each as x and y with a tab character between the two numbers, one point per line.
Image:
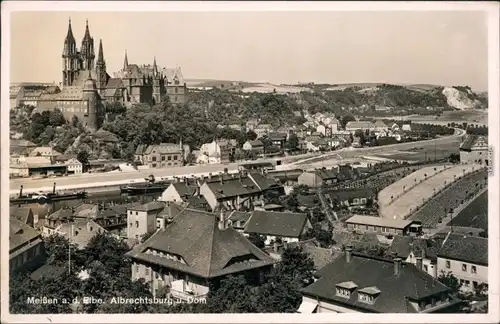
276	223
84	229
67	93
471	140
232	187
20	213
20	234
465	248
208	252
114	83
276	136
184	189
163	148
150	206
404	245
262	181
63	213
239	216
197	202
21	143
256	143
367	272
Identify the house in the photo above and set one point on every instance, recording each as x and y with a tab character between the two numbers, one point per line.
309	146
262	130
174	260
356	283
474	149
255	146
353	196
160	156
353	126
338	142
318	177
219	150
238	219
395	128
21	147
80	231
142	219
26	248
184	192
278	139
466	257
415	250
284	226
47	152
23	214
35	166
286	177
373	224
320	256
74	166
231	192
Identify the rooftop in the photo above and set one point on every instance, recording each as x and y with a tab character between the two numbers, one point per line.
20	234
377	221
371	274
282	224
206	250
473	140
465	248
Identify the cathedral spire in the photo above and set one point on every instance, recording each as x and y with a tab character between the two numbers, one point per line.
125	62
155	68
69	35
87	31
100	55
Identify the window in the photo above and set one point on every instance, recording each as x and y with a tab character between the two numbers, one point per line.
343	292
136	267
426	268
147	271
136	213
175	158
169	163
365	298
473	269
136	224
154	158
169	158
467	283
163	157
176	90
448	264
131	224
464	267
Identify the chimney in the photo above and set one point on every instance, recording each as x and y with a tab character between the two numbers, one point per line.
226	171
21	191
222	220
419	263
285	245
54	188
210	176
176	179
348	253
397	266
221	178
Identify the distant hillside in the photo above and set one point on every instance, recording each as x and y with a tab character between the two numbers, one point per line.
462	97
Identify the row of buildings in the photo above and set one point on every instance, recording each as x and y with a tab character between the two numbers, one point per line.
87	85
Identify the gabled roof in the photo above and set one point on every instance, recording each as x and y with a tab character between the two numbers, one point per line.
276	223
465	248
404	245
359	124
84	231
263	182
163	148
20	213
379	221
239	216
232	187
367	272
20	234
184	189
206	250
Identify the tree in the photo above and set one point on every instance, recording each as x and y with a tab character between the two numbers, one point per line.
293	142
296	265
233	295
345	119
83	157
449	280
251	135
257	240
58	250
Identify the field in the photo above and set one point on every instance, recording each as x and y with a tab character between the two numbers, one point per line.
475	214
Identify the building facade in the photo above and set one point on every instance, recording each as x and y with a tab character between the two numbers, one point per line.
164	155
474	150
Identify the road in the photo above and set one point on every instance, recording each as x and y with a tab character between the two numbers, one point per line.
109	179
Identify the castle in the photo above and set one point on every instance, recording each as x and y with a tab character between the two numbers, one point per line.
86	84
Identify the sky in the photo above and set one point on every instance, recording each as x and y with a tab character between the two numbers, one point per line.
427	47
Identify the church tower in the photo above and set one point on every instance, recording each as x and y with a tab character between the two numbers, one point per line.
156	83
100	67
70	58
92	99
87	50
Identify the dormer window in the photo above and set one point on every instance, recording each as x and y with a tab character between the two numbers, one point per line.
345	289
368	295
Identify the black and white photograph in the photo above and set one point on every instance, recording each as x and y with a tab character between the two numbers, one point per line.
272	162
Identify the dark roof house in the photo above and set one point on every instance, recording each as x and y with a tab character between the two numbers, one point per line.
470	249
282	224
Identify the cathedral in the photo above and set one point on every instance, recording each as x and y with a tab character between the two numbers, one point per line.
86	84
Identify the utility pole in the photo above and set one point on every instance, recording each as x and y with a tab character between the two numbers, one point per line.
69	248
